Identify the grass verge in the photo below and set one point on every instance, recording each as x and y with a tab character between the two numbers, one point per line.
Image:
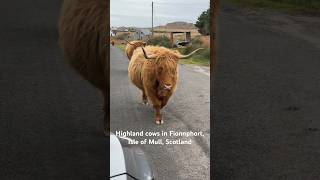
121	46
196	61
201	58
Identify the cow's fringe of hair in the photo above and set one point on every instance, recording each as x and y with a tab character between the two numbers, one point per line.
83	35
168	62
165	57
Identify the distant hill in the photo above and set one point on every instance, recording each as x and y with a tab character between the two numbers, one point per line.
177	25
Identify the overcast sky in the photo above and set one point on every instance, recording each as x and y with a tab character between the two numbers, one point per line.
138	12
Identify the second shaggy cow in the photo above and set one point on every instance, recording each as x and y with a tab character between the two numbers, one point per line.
133	45
154	70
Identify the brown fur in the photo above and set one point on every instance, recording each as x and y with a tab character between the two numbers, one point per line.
83	36
133	45
151	76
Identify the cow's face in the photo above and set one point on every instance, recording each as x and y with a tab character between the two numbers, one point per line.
137	44
140	44
167	78
132	46
164	90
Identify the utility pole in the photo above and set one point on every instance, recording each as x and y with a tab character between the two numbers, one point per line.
152	19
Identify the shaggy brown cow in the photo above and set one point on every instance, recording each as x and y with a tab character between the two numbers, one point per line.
156	74
131	46
83	36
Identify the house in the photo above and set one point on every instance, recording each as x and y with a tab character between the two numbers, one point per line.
113	31
122	29
141	33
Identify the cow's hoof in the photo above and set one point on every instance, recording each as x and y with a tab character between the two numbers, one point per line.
145	103
159	121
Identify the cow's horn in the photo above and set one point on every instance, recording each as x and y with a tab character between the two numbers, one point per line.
145	54
189	55
129	42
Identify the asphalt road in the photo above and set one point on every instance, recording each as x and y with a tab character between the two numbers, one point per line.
267	97
50	119
188	110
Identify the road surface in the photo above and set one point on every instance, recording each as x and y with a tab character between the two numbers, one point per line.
188	110
267	97
50	119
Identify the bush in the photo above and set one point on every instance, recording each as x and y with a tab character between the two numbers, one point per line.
160	41
203	22
196	40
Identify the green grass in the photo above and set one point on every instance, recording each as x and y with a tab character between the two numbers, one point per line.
201	58
196	61
311	7
159	31
122	47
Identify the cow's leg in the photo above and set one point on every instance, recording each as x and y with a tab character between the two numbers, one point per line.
144	98
159	119
164	101
151	94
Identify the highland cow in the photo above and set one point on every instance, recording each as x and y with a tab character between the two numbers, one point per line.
83	36
154	70
131	46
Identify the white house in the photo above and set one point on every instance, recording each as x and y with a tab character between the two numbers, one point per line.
113	31
141	33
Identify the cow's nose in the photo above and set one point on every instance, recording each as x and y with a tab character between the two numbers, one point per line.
166	86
